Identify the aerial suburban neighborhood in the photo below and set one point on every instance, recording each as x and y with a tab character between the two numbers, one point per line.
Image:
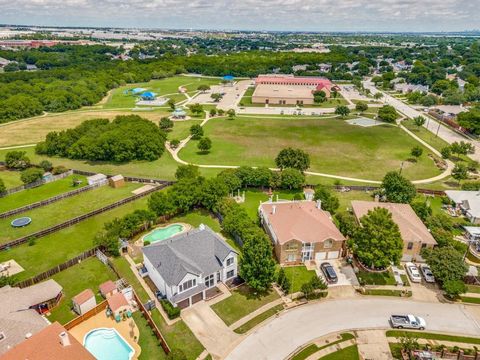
172	188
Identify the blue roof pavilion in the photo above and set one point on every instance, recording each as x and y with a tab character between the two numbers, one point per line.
148	95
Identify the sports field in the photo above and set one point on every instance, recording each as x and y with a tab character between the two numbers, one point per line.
335	147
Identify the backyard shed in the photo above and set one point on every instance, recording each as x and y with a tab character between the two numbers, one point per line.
119	305
97	179
116	181
84	302
108	288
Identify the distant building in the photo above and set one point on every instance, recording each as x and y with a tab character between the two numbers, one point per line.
405	88
97	179
301	231
468	202
116	181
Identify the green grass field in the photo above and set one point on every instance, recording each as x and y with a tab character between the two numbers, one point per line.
118	99
348	353
372	278
93	273
11	179
242	302
298	275
65	209
181	129
65	244
40	193
335	147
259	319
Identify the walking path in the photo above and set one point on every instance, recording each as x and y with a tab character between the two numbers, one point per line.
372	344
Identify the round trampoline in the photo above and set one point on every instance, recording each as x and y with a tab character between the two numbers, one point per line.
21	222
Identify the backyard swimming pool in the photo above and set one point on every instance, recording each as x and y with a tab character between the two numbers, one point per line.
107	344
163	233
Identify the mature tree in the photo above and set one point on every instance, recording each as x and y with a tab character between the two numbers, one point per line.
387	113
378	242
291	179
342	110
397	188
196	131
165	124
454	288
3	188
329	200
216	97
31	175
212	191
319	96
293	158
446	152
231	114
204	145
446	263
462	148
196	109
17	160
378	96
213	112
422	209
229	177
187	172
419	121
460	172
46	165
174	143
347	223
361	106
470	120
203	88
161	204
416	151
171	103
257	266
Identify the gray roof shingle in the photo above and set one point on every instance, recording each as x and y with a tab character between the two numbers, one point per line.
198	251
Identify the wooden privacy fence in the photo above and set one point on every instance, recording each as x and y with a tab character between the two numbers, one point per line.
152	324
36	183
78	219
48	201
90	313
55	270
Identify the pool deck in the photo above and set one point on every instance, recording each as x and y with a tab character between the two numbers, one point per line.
102	321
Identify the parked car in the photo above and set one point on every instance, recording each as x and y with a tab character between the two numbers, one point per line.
427	273
329	272
413	272
407	322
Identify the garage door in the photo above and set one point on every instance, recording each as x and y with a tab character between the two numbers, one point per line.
183	304
320	256
196	298
333	254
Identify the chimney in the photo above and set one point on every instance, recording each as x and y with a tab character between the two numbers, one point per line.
64	339
274	209
319	204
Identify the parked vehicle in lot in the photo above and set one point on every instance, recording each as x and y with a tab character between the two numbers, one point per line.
407	322
329	272
413	272
427	273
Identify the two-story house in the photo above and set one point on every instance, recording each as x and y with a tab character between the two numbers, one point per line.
185	266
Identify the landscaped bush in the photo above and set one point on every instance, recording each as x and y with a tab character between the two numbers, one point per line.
17	160
172	312
125	138
57	170
31	175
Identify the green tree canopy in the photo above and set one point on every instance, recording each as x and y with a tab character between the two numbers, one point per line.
293	158
387	113
292	179
196	131
342	110
17	160
187	172
470	120
205	144
397	188
2	186
329	200
31	175
446	263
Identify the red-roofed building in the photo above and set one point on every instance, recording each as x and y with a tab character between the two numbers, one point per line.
301	231
84	301
118	304
108	288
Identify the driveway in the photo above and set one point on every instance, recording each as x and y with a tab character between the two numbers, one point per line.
346	275
296	327
209	329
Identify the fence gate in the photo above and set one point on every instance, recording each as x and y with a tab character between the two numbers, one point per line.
102	257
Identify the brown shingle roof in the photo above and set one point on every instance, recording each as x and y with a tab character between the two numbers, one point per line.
411	227
46	345
84	296
116	301
107	287
300	220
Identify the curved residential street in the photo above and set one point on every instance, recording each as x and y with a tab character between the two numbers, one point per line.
280	337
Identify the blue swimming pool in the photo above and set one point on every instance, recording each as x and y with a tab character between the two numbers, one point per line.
163	233
107	344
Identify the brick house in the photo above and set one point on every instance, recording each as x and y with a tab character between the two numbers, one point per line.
301	231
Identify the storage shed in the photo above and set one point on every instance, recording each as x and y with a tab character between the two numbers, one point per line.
97	179
116	181
84	302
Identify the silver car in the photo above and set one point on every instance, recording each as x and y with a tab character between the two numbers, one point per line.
427	273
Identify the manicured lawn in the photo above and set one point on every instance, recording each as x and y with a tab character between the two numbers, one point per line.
242	302
371	278
177	335
65	209
473	289
11	179
65	244
163	168
386	292
258	319
298	275
89	274
432	336
40	193
349	353
181	129
119	99
335	147
253	198
197	217
345	198
425	134
470	299
147	341
312	348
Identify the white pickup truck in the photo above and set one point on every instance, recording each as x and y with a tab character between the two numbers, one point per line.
407	322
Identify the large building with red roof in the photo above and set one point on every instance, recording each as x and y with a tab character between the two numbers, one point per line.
288	89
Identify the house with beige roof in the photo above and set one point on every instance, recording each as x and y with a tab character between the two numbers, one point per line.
415	234
301	231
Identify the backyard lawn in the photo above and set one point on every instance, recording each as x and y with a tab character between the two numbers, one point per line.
89	274
40	193
253	198
243	301
65	244
335	147
147	341
63	210
372	278
298	275
11	179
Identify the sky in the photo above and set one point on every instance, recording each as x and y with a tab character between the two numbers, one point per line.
287	15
